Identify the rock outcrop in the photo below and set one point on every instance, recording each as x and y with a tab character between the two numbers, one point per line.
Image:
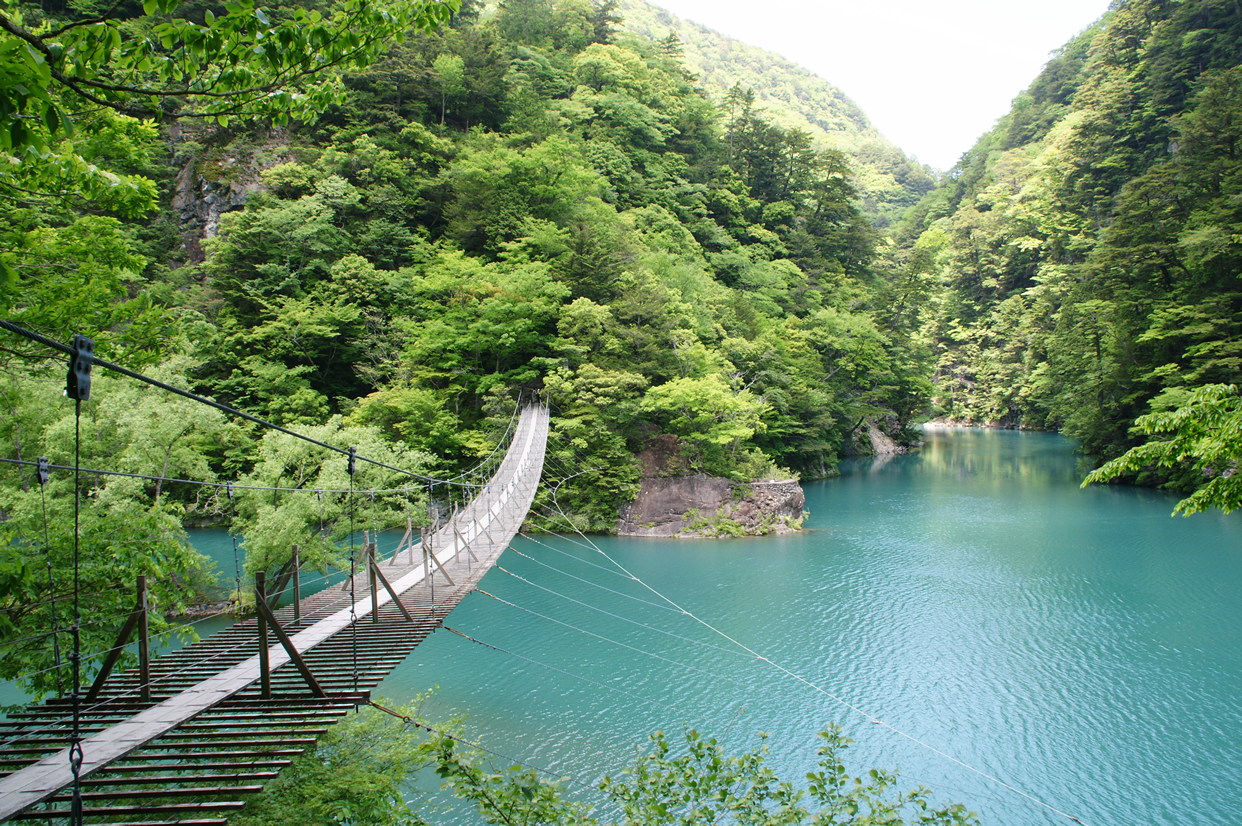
872	438
206	188
707	506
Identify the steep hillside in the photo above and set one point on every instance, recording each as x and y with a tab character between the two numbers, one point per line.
522	201
1087	251
794	98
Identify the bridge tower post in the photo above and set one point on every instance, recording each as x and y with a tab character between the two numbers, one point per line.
297	585
144	642
265	670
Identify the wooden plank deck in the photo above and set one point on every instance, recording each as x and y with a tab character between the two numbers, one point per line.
206	716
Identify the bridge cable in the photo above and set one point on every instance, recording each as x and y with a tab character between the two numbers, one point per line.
233	536
43	477
511	761
189	665
585	581
374	523
199	482
872	718
572	541
607	639
232	411
78	365
618	616
353	572
569	674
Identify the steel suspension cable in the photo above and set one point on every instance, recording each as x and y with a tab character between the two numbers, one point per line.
75	743
412	722
618	616
587	581
353	572
232	411
233	536
568	673
607	639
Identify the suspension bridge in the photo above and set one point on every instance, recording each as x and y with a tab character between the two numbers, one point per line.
187	738
213	722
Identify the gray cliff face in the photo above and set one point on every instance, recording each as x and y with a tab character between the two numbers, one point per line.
234	177
200	203
707	506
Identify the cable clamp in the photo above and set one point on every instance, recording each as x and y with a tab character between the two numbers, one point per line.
41	470
78	379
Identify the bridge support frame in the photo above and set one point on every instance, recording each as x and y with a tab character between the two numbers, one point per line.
137	620
377	579
266	618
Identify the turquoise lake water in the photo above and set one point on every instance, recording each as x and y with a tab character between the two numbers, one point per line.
1080	645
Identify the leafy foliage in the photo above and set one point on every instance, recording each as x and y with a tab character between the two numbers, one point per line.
355	773
1089	245
704	785
1203	435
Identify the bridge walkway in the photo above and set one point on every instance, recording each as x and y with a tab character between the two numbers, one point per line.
207	738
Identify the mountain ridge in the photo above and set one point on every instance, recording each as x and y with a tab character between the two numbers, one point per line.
793	97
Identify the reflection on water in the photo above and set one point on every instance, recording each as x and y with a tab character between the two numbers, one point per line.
1076	643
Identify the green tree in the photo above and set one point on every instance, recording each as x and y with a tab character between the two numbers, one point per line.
357	772
1199	438
704	785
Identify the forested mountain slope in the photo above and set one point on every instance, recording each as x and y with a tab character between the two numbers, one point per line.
526	200
1086	252
795	98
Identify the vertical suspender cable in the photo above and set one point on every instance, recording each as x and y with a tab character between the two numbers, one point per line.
41	473
374	523
319	498
75	741
236	563
78	388
353	572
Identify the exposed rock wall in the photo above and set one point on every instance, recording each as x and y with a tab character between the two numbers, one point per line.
671	503
709	506
200	203
872	438
233	175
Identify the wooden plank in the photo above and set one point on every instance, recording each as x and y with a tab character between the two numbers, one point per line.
109	811
155	794
173	779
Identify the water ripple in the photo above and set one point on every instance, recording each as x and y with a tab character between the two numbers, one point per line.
1080	645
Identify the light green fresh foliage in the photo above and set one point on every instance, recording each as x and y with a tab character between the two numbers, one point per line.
356	773
128	526
703	785
888	182
1087	247
320	523
238	64
1203	433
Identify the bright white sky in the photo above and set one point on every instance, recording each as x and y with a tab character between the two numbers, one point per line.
933	75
